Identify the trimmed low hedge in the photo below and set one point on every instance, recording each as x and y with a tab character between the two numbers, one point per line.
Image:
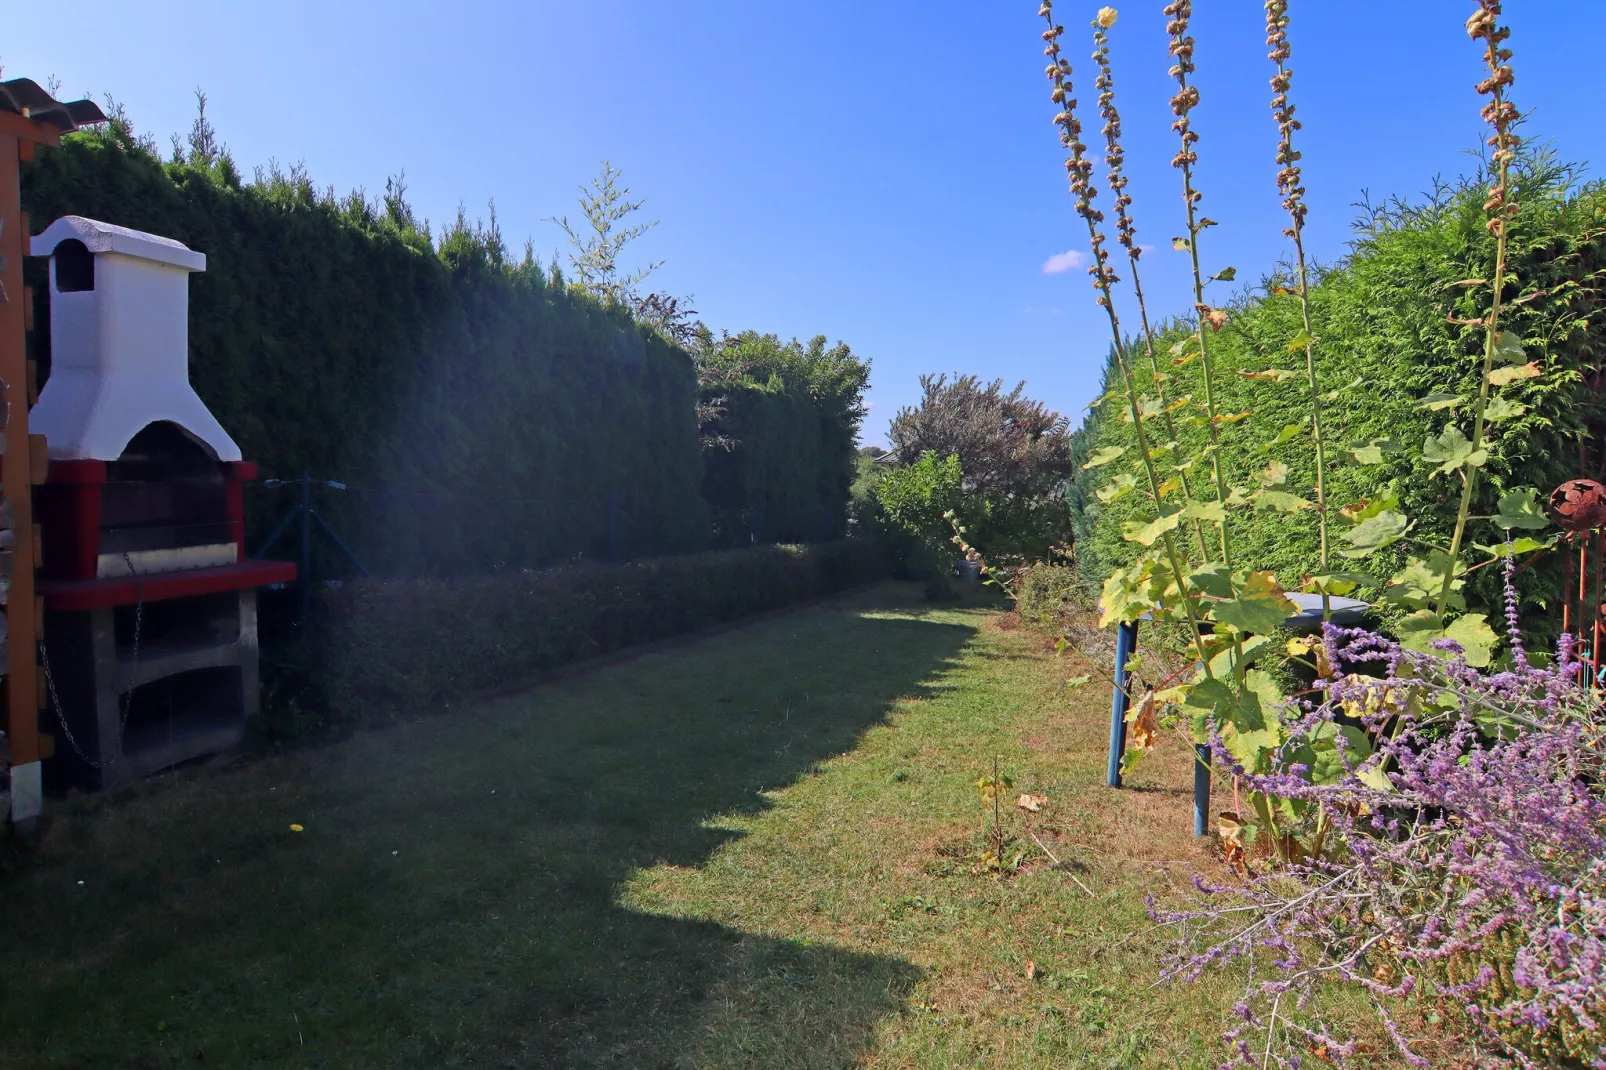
393	646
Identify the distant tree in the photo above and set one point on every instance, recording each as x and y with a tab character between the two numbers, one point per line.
987	466
596	244
1007	444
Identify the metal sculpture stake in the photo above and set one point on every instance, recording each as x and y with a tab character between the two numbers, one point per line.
1578	507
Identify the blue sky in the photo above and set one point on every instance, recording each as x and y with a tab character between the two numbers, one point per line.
885	174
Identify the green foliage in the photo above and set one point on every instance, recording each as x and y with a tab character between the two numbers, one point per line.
1404	371
780	427
925	498
1046	594
400	645
481	411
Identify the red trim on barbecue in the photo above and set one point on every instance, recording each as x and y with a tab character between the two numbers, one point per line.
236	474
76	472
69	515
70	595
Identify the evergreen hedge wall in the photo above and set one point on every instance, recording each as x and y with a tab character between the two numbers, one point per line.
480	412
1385	321
782	430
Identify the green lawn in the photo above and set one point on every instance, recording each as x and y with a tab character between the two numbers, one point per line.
744	850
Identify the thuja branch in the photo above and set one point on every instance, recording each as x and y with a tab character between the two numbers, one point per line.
1126	234
1289	185
1501	115
1185	100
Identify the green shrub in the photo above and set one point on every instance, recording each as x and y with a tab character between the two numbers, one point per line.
1045	594
392	646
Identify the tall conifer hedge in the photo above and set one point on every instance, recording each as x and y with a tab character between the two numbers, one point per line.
480	412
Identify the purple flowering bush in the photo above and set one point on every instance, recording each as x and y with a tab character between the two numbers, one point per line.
1461	821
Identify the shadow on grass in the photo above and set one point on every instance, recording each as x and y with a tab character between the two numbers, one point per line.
453	898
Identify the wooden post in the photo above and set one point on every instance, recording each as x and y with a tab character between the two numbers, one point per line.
18	466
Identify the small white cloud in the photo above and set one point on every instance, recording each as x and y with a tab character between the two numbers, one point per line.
1060	263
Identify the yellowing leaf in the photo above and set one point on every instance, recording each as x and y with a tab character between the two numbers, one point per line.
1299	342
1258	606
1216	317
1278	375
1102	456
1281	501
1440	400
1118	487
1144	532
1233	417
1180	244
1503	376
1214	512
1144	721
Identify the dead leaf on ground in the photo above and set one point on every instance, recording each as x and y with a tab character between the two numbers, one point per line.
1231	831
1031	967
1145	722
1030	802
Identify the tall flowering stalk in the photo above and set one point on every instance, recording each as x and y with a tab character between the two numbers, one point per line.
1079	169
1126	234
1290	185
1501	115
1182	105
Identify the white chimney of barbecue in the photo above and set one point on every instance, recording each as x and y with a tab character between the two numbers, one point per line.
119	341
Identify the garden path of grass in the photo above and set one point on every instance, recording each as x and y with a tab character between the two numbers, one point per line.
725	852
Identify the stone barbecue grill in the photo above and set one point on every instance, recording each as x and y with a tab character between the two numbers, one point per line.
149	599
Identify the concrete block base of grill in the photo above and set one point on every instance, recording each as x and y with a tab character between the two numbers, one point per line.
209	688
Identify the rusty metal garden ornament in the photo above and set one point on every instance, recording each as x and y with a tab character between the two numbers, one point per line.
1578	505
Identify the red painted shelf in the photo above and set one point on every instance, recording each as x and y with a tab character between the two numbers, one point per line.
70	595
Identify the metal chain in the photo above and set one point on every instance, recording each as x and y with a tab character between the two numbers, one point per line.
128	695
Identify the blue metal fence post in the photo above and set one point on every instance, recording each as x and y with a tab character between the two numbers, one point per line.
1126	641
306	546
1201	789
613	530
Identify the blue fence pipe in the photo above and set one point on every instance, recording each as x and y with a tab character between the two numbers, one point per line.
1201	789
1126	641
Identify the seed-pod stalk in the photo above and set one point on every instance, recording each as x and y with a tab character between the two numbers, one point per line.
1126	233
1080	171
1185	100
1289	181
1501	115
